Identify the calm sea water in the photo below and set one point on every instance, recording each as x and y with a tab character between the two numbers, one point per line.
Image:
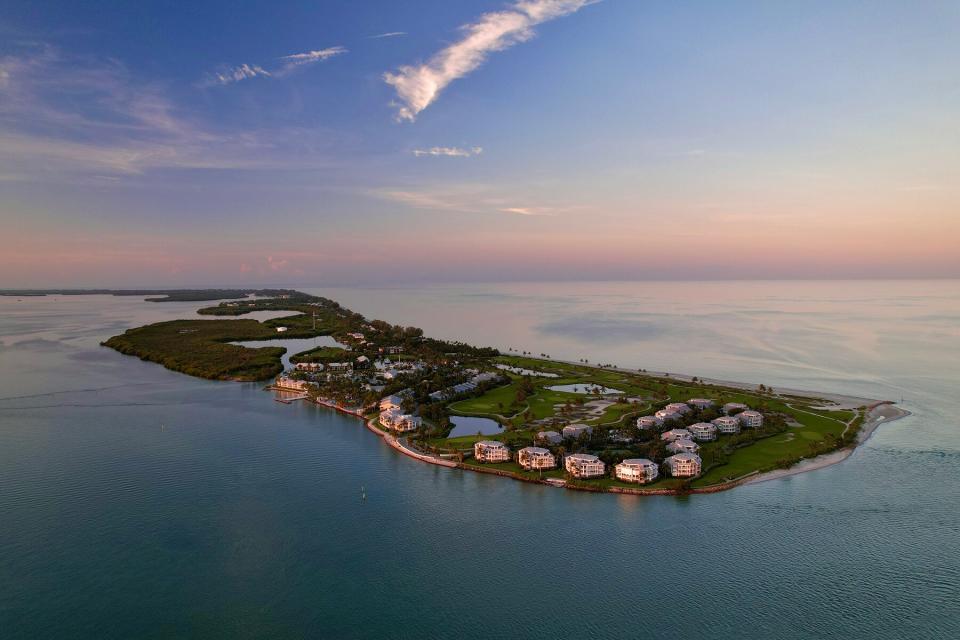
140	503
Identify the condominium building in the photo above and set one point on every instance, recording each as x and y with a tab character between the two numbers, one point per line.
491	451
664	415
550	437
648	422
752	419
574	431
730	407
727	424
291	384
676	434
533	458
683	446
678	407
703	431
584	465
700	403
684	465
396	420
638	470
391	402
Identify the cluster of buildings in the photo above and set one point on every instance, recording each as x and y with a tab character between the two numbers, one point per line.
392	416
742	416
291	384
463	387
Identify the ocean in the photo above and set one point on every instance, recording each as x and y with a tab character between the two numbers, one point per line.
140	503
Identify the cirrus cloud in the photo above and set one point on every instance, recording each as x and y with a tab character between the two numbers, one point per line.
452	152
417	86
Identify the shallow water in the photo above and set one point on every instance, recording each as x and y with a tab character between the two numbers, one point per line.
292	345
471	426
137	502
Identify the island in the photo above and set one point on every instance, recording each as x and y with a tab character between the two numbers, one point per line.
578	425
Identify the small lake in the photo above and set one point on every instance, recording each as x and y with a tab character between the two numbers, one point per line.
526	372
292	345
583	388
471	426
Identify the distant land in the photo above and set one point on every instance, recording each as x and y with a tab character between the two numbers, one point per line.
578	425
167	295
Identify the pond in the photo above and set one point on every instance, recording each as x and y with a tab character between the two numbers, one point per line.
471	426
292	345
584	388
526	372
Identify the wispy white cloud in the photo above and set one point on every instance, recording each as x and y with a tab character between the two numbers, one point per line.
295	60
390	34
465	198
236	74
453	152
417	86
528	211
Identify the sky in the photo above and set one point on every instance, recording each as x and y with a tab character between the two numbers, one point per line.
341	142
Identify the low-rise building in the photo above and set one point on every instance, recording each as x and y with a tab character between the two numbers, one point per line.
703	431
683	446
665	415
281	329
291	384
727	424
550	437
700	403
638	470
536	458
584	465
309	366
648	422
751	419
491	451
396	420
676	434
574	431
339	367
730	407
678	407
391	402
684	465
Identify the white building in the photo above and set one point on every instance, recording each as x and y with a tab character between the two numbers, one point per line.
573	431
533	458
648	422
550	437
281	329
683	446
727	424
339	367
730	407
584	465
391	402
665	414
678	407
638	470
703	431
309	366
284	382
676	434
752	419
491	451
356	336
700	403
398	421
684	465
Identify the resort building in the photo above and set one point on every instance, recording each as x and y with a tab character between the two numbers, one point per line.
309	366
703	431
284	382
574	431
676	434
356	336
664	414
700	403
339	367
684	465
533	458
752	419
648	422
491	451
678	407
584	465
638	470
281	329
727	424
391	402
550	437
730	407
683	446
398	421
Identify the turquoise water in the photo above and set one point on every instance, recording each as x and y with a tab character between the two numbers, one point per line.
136	502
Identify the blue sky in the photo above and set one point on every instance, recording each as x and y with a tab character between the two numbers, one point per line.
220	143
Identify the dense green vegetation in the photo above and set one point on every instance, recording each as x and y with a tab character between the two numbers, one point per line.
198	348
